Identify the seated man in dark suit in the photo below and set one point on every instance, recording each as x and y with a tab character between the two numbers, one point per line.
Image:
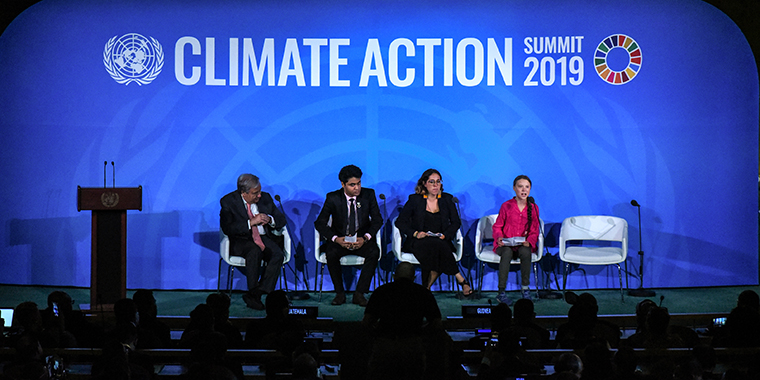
251	221
356	221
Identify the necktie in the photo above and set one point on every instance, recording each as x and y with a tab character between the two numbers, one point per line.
255	229
351	218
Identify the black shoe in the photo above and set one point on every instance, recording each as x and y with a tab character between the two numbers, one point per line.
339	299
253	301
359	299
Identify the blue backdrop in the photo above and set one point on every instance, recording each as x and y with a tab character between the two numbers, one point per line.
184	96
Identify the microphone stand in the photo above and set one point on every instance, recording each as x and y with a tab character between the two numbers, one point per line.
295	294
382	239
640	292
545	293
467	276
548	294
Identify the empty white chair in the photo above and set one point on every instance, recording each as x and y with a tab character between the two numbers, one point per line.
484	248
594	228
238	261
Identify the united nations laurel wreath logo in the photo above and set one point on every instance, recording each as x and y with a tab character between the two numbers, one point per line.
133	58
614	72
109	199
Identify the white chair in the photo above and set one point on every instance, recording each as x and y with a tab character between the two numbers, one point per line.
397	244
598	228
484	248
238	261
348	260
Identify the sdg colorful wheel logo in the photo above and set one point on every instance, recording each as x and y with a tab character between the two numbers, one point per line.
617	59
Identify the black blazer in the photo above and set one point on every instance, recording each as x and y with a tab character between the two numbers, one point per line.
233	218
367	213
412	218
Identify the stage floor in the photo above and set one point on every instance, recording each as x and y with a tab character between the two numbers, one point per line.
181	302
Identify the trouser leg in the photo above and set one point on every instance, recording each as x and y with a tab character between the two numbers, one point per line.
371	253
334	252
504	263
274	257
525	255
252	268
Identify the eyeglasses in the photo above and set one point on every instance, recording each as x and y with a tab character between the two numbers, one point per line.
433	182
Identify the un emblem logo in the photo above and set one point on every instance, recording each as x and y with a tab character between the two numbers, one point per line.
133	58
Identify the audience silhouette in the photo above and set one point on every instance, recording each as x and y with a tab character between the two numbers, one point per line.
583	326
220	307
400	313
151	332
400	337
532	335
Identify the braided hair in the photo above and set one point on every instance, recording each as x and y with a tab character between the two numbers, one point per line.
531	202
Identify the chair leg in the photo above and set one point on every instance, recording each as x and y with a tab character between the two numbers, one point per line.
283	280
321	279
535	276
230	278
480	271
620	275
564	278
219	277
316	275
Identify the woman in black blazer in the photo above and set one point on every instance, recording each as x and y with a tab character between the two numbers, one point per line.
430	222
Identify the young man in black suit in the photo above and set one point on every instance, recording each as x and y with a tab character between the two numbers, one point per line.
251	221
356	221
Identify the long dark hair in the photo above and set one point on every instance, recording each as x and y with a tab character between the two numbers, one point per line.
531	203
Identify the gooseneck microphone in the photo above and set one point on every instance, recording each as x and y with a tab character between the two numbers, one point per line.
113	173
105	166
634	203
295	294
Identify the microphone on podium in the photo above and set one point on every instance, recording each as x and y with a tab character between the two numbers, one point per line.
105	166
113	173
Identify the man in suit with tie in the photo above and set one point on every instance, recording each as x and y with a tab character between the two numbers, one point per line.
252	222
356	221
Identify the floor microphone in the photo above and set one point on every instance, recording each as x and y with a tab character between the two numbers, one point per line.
294	295
456	202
